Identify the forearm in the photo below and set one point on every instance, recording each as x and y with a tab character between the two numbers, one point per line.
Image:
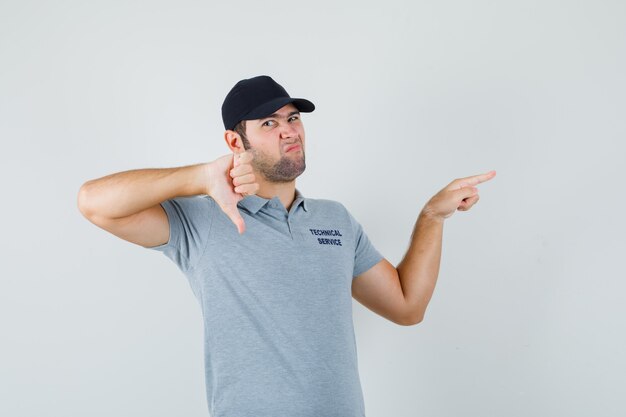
129	192
419	268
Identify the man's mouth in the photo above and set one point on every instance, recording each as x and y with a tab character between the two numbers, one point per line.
294	147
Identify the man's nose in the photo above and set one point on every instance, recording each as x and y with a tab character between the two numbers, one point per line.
287	130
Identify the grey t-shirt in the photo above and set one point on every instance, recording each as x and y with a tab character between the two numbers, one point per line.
276	303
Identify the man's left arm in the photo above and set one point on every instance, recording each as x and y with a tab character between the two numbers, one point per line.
402	294
419	269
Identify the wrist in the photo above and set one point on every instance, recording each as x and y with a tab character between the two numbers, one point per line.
204	176
429	215
197	179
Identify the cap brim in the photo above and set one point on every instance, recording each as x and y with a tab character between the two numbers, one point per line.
265	109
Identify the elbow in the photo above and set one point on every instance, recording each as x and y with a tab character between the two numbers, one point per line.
411	320
412	314
414	322
82	201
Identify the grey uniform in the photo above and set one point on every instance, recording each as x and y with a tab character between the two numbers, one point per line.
276	303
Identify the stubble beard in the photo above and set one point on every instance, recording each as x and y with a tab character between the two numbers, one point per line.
286	169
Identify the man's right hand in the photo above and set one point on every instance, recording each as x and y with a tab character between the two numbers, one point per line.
230	178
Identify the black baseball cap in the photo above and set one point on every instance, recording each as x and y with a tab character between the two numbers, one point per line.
258	97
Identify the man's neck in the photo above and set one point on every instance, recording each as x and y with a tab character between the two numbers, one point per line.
286	192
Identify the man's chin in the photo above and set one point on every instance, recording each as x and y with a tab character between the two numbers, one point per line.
298	174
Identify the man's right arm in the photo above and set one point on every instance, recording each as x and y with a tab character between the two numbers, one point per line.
127	204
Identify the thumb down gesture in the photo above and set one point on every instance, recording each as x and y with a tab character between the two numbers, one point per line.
231	178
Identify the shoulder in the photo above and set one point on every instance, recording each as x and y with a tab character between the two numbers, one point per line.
323	205
193	199
328	209
189	206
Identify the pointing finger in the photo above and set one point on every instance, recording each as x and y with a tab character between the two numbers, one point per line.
477	179
464	193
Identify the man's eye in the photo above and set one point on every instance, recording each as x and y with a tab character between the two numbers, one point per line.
272	121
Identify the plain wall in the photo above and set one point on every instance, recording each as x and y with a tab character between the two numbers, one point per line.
528	316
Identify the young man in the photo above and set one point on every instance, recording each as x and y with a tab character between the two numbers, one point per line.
273	271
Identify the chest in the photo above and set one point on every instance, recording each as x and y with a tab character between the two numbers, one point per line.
280	258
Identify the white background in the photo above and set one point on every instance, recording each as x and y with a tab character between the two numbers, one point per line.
527	318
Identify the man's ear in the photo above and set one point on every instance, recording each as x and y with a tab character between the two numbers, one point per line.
233	141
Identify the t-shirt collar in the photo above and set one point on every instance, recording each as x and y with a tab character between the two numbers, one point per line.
254	203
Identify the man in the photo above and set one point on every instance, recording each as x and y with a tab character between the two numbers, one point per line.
273	271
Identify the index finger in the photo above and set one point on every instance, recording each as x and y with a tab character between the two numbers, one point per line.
477	179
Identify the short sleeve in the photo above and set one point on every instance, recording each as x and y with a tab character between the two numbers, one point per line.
365	254
190	221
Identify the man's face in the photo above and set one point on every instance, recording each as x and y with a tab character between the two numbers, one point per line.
272	141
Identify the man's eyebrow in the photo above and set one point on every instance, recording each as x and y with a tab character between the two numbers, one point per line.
278	116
